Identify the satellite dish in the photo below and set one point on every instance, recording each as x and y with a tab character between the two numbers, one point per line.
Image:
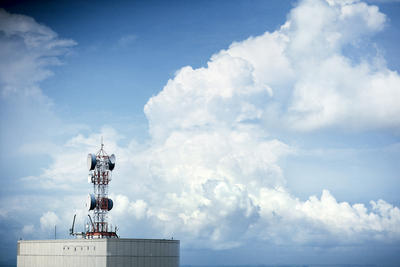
91	202
110	204
91	161
111	162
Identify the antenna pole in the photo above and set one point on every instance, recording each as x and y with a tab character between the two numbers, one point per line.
90	218
71	231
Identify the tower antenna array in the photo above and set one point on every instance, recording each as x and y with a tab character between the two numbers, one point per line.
100	167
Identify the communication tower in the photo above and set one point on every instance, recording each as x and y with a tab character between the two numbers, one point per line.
100	167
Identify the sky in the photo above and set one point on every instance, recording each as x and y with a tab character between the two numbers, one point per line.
256	132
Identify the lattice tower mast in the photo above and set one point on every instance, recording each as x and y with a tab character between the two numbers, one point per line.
100	173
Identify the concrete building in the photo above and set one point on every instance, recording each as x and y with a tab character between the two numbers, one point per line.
106	252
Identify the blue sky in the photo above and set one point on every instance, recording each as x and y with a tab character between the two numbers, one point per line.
253	131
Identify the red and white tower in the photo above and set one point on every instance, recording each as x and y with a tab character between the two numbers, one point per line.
100	170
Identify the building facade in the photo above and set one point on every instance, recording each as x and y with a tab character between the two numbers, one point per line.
107	252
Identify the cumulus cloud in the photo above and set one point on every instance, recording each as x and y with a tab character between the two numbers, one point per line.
224	191
297	77
324	220
215	158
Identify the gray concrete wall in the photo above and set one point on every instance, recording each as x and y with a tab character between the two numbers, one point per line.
98	253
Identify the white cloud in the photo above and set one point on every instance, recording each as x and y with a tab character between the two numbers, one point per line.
214	164
68	167
313	83
27	50
220	189
28	229
219	94
49	220
138	208
331	89
345	220
383	1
